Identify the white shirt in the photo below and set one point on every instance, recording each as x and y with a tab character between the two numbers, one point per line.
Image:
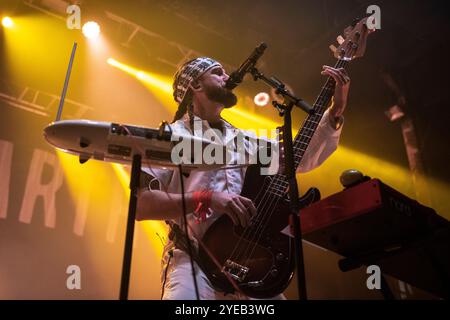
322	145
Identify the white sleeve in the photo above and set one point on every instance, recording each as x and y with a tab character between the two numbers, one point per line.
323	143
156	178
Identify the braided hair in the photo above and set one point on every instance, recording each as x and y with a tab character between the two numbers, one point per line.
183	107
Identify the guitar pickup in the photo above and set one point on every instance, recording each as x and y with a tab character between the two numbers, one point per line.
235	270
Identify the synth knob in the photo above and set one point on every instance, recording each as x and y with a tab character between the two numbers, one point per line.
352	177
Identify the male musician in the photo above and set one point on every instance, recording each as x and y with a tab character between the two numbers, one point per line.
199	89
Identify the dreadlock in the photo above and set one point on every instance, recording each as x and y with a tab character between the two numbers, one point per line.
186	106
183	106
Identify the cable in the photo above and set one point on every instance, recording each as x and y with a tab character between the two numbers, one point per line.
165	187
189	245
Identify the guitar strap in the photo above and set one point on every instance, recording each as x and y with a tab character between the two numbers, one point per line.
180	241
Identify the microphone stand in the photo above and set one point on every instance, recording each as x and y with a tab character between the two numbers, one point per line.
128	246
284	110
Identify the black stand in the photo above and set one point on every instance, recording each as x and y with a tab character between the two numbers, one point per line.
126	266
280	88
185	225
285	110
294	220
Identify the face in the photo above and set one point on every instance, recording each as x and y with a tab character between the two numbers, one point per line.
213	83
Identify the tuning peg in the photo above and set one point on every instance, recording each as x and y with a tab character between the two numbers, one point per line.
340	39
332	48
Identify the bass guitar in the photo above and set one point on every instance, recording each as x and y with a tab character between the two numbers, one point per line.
259	258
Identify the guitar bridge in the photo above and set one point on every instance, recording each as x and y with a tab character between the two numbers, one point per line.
235	270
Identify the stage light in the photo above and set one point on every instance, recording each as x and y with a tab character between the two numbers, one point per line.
162	88
140	75
261	99
91	30
156	81
112	62
7	22
151	227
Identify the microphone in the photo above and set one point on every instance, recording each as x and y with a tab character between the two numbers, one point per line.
237	76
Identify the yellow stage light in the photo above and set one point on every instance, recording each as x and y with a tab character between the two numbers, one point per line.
150	227
7	22
111	61
91	30
140	75
156	81
163	85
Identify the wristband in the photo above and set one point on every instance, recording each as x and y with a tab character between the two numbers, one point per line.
202	202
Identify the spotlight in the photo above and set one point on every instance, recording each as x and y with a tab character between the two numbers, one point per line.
111	61
7	22
261	99
91	30
140	75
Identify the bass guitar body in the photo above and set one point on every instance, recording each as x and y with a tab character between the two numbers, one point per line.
258	258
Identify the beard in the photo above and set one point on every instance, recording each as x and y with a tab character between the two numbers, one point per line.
221	95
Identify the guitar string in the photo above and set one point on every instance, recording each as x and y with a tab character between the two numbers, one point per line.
280	180
259	201
244	234
247	229
272	184
269	198
266	212
320	105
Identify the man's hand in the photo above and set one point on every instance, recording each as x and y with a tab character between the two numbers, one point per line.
342	80
239	209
